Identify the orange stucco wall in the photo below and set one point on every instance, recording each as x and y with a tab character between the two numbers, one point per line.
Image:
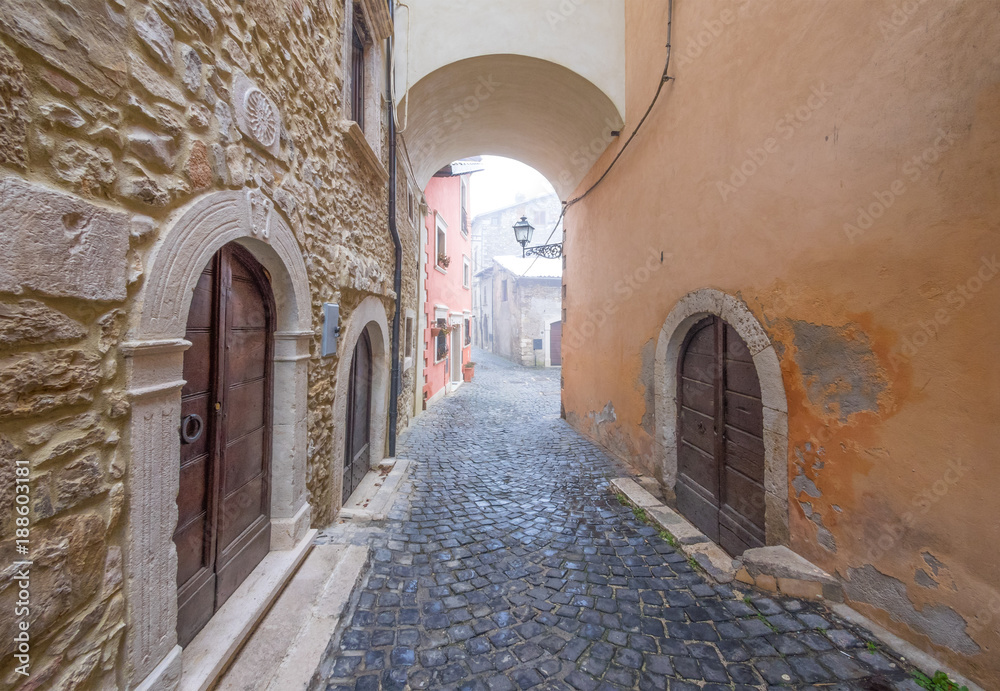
835	164
445	285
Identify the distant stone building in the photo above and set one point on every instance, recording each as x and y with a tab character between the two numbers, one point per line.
525	303
493	236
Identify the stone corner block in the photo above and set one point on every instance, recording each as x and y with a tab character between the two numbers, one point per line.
782	563
61	245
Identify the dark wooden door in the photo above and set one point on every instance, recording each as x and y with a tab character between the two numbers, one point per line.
720	453
223	528
555	343
357	456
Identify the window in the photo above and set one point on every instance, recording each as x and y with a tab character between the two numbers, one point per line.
409	205
443	260
358	36
408	348
465	207
466	272
441	347
468	331
503	290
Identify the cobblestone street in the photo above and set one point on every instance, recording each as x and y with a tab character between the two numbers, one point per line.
507	564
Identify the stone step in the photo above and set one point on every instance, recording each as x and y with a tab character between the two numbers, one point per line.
285	650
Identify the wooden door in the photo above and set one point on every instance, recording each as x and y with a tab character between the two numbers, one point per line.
224	529
720	453
555	343
357	454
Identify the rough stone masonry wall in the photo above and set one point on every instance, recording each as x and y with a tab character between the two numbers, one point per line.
126	108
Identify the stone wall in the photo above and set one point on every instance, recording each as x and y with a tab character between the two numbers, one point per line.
112	116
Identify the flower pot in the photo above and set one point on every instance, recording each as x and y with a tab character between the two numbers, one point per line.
467	373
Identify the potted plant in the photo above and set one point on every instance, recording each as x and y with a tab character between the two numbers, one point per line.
468	369
444	260
441	329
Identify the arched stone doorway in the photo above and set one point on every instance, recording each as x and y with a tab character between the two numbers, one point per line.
357	427
368	318
692	310
154	356
223	525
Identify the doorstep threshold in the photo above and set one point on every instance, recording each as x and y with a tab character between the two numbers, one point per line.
206	658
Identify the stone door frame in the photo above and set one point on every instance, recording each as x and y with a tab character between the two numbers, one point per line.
154	357
368	316
688	311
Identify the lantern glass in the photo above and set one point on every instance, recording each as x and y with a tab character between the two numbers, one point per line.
523	231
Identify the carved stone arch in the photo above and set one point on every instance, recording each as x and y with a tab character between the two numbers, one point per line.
154	357
689	310
368	316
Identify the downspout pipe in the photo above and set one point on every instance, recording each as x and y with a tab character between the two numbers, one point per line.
397	277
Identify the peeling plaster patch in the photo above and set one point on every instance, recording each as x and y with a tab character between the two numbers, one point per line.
605	416
840	372
933	562
647	381
823	534
801	483
943	625
922	578
837	508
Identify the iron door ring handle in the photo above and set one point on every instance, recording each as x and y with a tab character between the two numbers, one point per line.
192	427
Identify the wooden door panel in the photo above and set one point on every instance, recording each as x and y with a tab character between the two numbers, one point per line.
703	341
195	605
744	496
190	541
699	508
200	405
242	557
239	510
244	408
201	313
699	466
741	377
191	502
197	368
698	396
245	306
244	460
747	461
698	430
736	349
744	412
246	358
701	368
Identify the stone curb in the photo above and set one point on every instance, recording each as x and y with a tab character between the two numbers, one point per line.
775	569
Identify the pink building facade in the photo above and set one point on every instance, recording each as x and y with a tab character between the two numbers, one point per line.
448	282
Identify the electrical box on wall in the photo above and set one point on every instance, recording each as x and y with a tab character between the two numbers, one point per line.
331	329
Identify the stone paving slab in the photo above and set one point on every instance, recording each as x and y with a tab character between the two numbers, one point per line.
506	563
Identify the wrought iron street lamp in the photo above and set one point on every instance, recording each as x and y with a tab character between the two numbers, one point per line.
522	233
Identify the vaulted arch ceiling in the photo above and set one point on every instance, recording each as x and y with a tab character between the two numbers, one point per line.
540	81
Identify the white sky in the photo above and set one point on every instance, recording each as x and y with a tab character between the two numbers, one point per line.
501	181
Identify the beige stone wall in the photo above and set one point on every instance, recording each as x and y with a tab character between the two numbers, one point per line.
113	115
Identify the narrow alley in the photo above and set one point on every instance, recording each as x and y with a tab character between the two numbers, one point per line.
508	564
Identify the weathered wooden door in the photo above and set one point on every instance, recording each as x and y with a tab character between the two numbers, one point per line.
223	528
357	456
555	343
720	453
